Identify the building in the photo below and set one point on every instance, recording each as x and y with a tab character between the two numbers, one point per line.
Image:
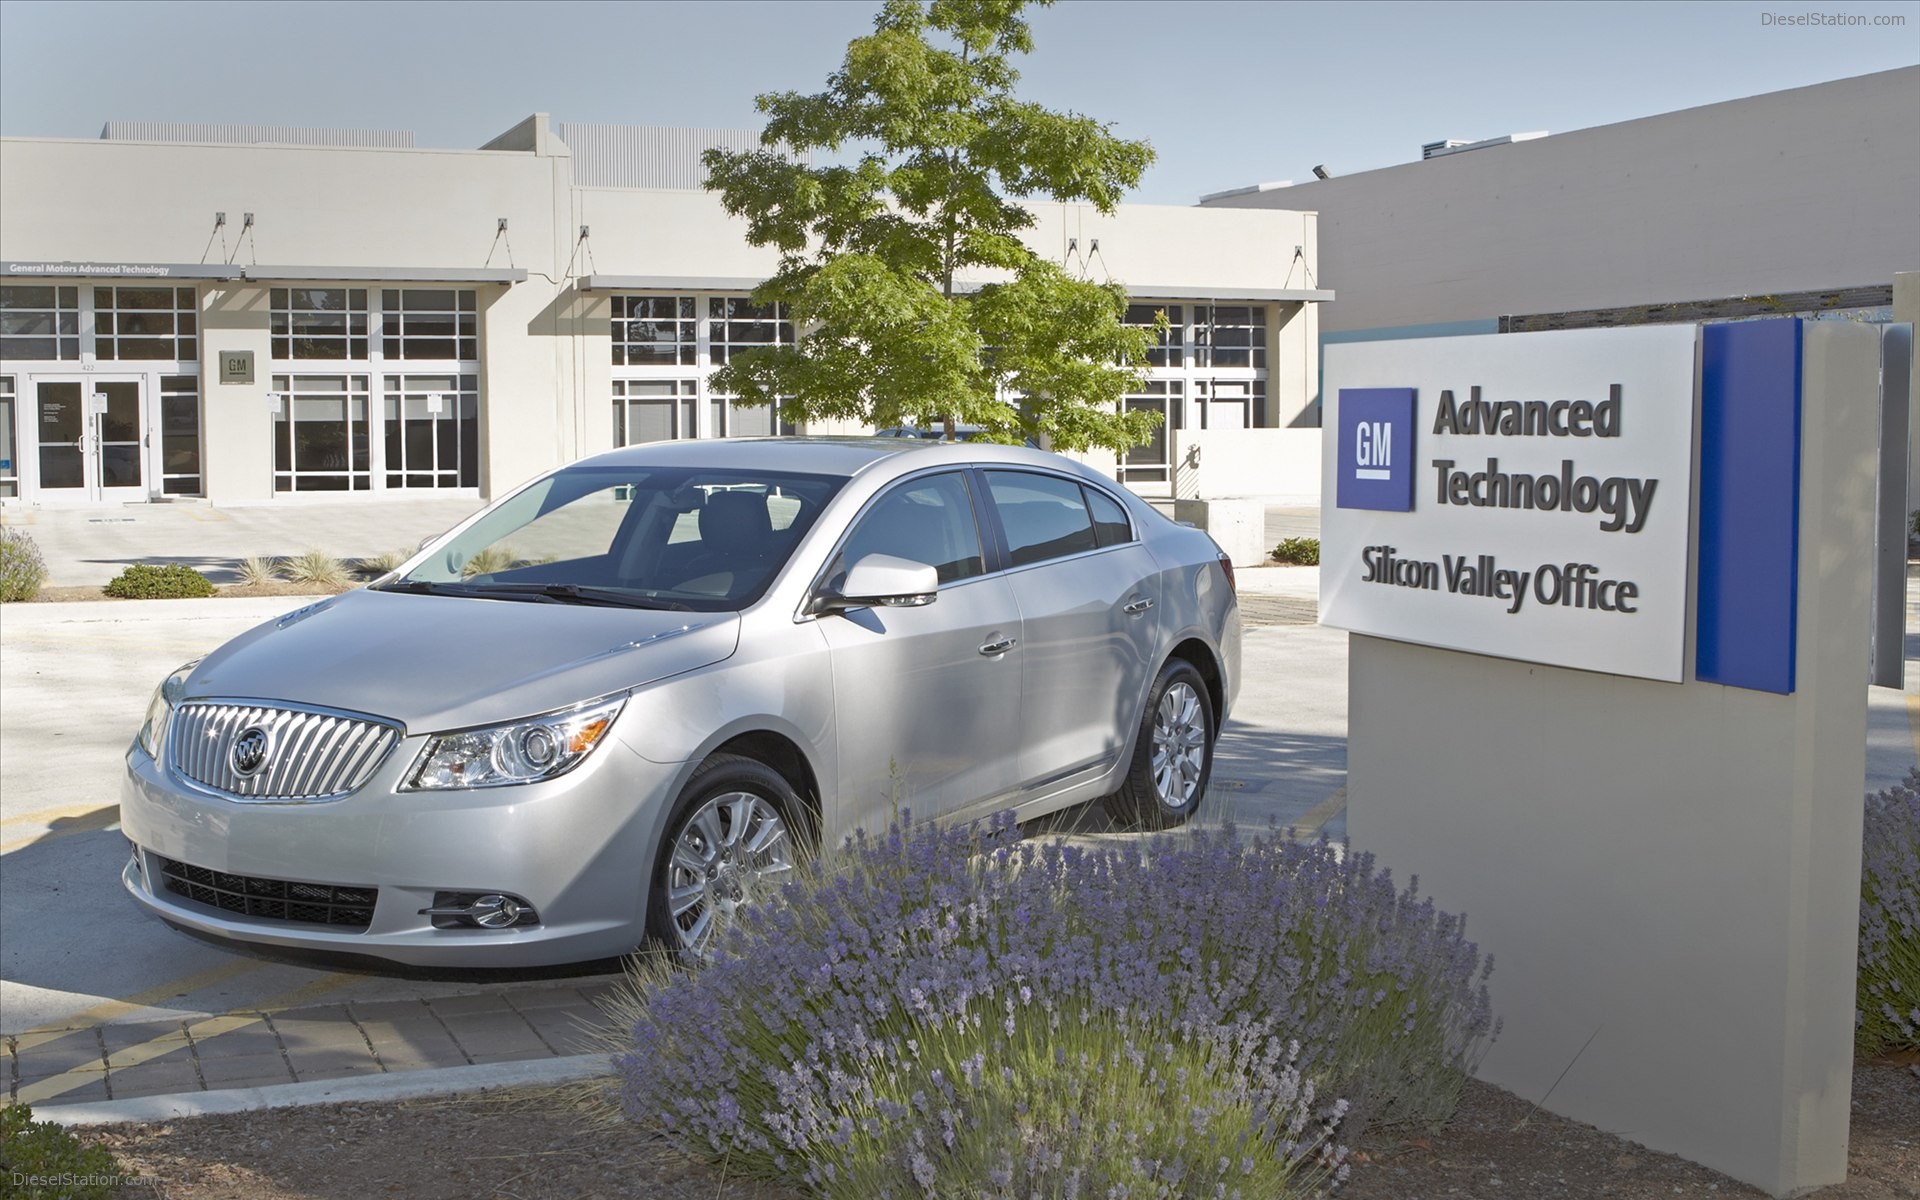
253	315
1800	201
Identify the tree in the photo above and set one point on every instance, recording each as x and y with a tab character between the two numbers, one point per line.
917	301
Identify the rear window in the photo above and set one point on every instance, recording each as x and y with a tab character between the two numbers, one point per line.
1045	517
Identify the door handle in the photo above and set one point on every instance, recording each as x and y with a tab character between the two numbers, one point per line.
999	647
1136	607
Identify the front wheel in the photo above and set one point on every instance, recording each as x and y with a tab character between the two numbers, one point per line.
1172	753
729	843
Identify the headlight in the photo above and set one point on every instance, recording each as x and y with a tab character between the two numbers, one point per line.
537	748
153	730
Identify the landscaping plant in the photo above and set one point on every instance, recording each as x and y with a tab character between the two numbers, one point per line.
1303	552
952	1011
147	581
1888	1016
318	568
257	571
22	570
40	1159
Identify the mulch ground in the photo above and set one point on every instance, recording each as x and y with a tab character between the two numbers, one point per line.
549	1146
232	591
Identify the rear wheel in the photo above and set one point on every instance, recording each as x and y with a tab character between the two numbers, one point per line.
729	844
1172	753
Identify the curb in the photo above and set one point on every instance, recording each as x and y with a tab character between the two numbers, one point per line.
399	1085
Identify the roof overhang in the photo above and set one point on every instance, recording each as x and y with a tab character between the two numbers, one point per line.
668	283
258	274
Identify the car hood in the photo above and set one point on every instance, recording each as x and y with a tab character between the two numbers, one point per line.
449	662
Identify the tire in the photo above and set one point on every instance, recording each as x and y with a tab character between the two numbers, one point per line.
1172	753
732	837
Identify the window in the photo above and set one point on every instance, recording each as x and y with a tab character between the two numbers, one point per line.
321	441
1169	349
654	331
1147	462
1110	524
740	324
180	435
145	323
432	431
922	520
1230	335
318	322
39	322
1044	516
9	441
429	323
652	410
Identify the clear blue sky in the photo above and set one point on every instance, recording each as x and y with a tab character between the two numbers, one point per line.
1230	92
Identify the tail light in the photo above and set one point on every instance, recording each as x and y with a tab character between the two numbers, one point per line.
1226	564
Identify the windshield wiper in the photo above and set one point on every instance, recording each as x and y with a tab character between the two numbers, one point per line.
573	593
424	587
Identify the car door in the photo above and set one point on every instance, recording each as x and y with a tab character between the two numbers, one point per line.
1087	591
927	699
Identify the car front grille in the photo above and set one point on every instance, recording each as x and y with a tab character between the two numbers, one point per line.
348	908
310	754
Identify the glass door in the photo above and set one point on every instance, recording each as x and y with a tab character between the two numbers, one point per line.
91	436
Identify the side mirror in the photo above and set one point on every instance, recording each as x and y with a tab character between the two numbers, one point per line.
883	581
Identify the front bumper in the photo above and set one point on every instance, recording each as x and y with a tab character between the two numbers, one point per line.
579	849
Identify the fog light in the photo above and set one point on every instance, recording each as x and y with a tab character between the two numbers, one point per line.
484	910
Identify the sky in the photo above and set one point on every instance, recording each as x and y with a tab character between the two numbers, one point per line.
1229	92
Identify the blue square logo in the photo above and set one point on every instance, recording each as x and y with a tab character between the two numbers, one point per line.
1375	463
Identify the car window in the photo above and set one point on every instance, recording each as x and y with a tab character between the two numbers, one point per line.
701	539
1110	524
927	520
1044	516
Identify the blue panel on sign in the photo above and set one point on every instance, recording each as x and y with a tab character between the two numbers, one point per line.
1375	452
1749	504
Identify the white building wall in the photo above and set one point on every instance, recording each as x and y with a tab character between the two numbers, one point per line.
395	217
1797	190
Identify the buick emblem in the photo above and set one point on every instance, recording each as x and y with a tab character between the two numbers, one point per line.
249	751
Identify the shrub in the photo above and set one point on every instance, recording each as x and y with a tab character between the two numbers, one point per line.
319	568
256	571
41	1159
486	561
947	1011
1888	1016
1304	552
22	570
380	564
146	581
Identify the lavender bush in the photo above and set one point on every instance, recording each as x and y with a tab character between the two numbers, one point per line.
22	569
1888	1016
952	1011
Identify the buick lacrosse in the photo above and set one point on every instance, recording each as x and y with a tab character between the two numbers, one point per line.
617	704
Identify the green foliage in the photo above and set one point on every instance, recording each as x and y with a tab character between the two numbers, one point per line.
22	570
318	568
1304	552
39	1159
145	581
876	255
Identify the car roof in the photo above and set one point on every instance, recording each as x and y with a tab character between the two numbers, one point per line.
821	455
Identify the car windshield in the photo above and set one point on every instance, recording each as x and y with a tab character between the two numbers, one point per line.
705	540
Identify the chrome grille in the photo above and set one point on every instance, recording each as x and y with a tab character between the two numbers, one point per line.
312	754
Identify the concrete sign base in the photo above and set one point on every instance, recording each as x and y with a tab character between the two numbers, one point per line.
1667	875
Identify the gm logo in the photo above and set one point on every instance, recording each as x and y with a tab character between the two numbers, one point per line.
1375	451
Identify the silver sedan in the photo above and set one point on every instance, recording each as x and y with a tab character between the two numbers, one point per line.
615	705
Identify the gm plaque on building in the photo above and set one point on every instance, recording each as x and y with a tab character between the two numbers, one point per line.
236	366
